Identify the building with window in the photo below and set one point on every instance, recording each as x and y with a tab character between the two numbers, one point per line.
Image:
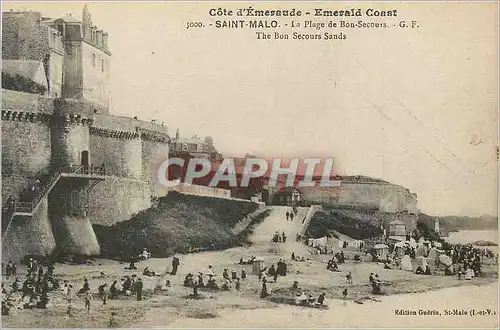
74	53
194	146
26	36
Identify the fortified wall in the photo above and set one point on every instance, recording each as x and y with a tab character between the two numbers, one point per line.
92	169
379	195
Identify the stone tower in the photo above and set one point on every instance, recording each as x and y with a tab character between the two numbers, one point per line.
68	200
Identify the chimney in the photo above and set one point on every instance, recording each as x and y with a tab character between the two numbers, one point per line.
177	135
105	40
99	38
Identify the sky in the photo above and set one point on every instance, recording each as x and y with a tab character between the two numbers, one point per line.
416	107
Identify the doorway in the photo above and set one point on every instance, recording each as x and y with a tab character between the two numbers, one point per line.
85	158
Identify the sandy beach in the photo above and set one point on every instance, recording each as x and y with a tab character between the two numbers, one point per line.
174	308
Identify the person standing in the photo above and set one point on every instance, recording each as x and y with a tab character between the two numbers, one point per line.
138	289
287	215
88	299
175	265
263	292
291	216
103	293
8	270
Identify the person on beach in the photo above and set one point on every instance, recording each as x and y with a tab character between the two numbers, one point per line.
263	292
103	293
86	286
321	299
344	294
87	298
287	215
175	265
291	216
138	289
238	284
225	275
349	278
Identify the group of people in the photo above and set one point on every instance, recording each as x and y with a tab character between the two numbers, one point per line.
211	284
292	213
277	237
33	292
304	299
279	270
468	257
41	281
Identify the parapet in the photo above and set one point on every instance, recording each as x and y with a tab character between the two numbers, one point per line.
119	126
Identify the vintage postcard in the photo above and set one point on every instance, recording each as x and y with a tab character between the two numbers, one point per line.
249	164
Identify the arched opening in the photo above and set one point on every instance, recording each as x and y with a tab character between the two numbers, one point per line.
289	196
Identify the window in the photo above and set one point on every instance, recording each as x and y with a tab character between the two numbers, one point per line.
199	147
93	60
184	147
102	65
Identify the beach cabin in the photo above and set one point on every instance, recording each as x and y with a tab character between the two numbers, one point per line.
397	230
382	251
258	265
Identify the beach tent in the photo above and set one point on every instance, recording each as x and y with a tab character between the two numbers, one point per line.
382	251
357	244
406	263
258	265
421	262
318	242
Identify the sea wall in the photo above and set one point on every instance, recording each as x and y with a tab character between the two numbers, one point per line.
381	196
117	199
29	235
26	150
121	155
201	191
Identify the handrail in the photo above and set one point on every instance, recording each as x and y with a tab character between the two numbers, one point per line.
29	208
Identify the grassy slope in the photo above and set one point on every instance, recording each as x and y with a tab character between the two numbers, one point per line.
175	224
355	223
